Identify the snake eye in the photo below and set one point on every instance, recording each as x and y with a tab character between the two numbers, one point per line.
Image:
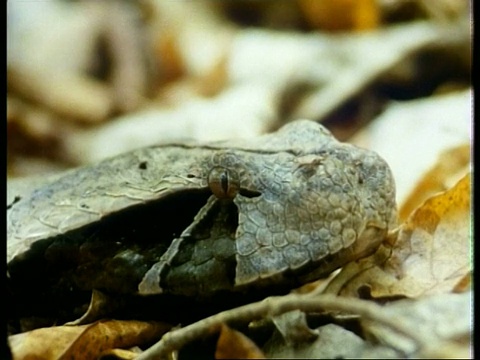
223	183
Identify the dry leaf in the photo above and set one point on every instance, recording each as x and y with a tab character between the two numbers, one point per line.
294	338
464	284
316	286
450	167
233	344
101	305
170	64
335	15
294	328
431	254
54	65
437	236
86	100
332	342
352	64
422	130
129	77
83	342
240	112
440	321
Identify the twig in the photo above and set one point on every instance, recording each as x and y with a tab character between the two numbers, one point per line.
273	306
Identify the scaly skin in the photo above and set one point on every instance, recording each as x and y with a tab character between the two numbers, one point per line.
278	210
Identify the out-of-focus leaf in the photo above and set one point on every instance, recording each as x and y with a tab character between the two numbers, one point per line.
53	34
53	53
240	112
332	342
170	61
423	130
294	338
430	254
440	320
256	85
87	99
233	344
356	64
85	341
341	15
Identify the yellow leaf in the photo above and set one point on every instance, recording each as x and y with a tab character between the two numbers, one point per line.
85	341
338	15
451	166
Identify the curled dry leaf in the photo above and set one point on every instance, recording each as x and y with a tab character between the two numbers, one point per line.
83	342
430	253
101	305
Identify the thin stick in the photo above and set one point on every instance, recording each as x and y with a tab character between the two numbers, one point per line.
272	306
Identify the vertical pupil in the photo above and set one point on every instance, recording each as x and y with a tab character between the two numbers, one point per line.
224	181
